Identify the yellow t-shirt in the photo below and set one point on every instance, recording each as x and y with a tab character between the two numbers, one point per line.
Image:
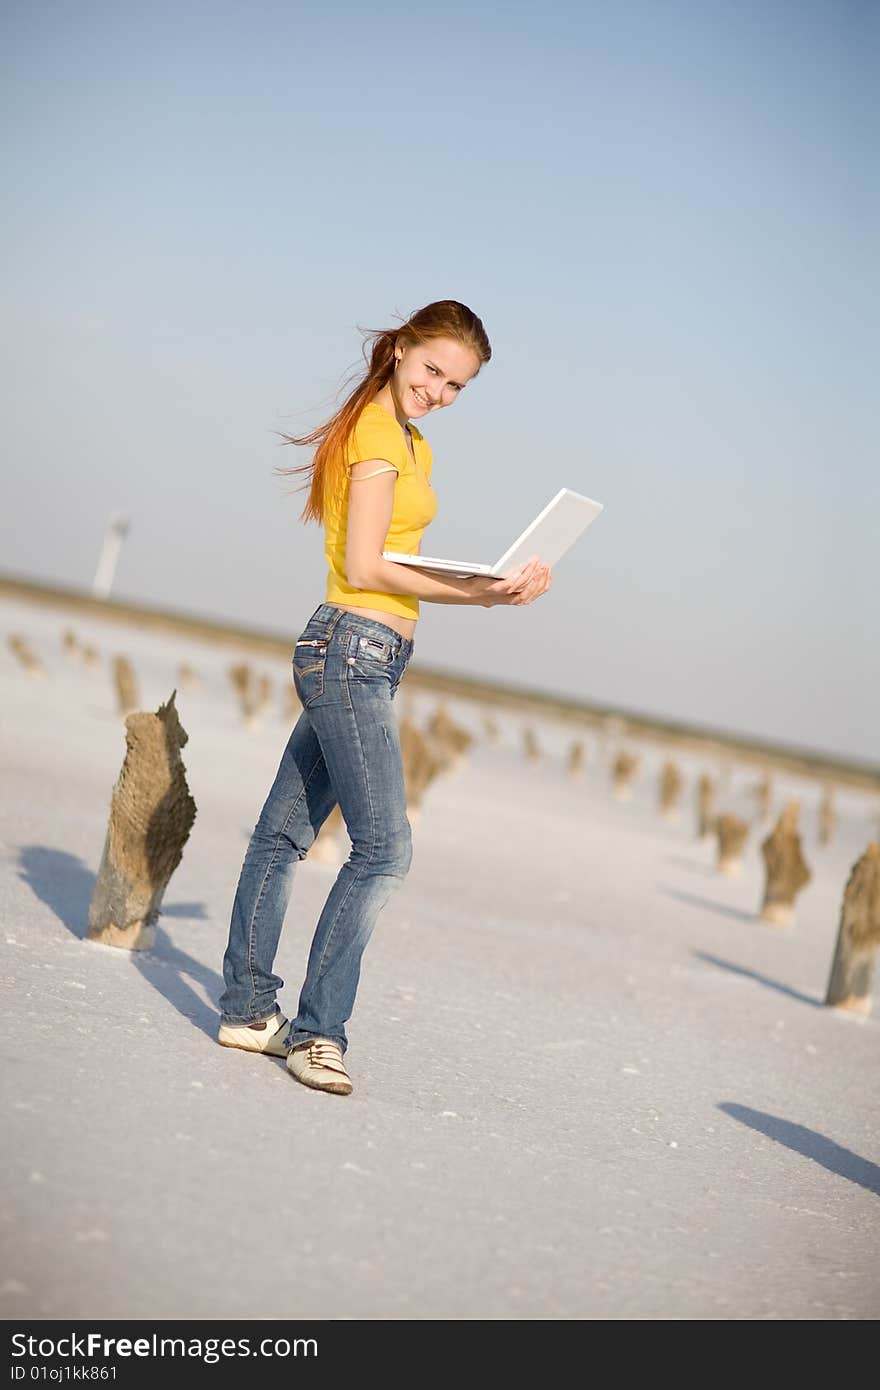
377	435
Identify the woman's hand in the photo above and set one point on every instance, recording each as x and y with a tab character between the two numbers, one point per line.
524	585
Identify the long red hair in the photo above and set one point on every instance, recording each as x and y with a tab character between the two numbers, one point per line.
446	318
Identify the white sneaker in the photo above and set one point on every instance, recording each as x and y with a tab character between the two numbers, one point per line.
319	1064
268	1036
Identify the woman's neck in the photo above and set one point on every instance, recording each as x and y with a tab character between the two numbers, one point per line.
387	400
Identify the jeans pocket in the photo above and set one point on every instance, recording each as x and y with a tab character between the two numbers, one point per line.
373	655
371	649
309	663
370	661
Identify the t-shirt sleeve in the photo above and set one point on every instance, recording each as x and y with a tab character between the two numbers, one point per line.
375	437
386	468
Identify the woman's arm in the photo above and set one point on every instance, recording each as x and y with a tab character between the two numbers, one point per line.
370	507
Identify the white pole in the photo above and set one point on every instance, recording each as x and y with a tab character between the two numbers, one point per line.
117	529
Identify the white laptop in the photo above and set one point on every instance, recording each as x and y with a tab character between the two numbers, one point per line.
556	528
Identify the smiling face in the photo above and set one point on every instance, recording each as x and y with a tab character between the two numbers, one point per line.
429	375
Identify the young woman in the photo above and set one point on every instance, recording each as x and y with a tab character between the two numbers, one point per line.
371	490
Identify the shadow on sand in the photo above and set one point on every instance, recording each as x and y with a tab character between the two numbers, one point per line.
61	881
694	900
695	865
761	979
66	886
807	1142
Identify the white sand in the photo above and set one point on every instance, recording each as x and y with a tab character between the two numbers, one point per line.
589	1083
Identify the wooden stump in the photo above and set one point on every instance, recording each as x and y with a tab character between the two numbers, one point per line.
264	692
787	871
291	708
422	762
705	807
188	678
70	645
613	730
490	728
126	685
670	791
623	770
827	817
151	815
531	746
763	792
29	660
858	936
732	833
725	772
328	847
576	760
452	740
246	687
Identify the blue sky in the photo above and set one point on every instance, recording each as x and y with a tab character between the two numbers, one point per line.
666	215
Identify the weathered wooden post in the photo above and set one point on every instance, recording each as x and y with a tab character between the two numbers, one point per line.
291	708
705	807
763	791
530	744
264	692
725	770
245	685
188	678
449	736
623	771
576	760
461	741
827	816
126	685
151	815
787	871
70	644
490	728
328	845
858	936
613	729
732	833
670	791
29	660
423	760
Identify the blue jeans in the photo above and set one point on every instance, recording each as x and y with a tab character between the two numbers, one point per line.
345	748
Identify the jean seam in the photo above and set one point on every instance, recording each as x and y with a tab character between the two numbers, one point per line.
305	788
360	873
269	869
318	694
311	1036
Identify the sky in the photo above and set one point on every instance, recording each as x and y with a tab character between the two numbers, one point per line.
665	215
